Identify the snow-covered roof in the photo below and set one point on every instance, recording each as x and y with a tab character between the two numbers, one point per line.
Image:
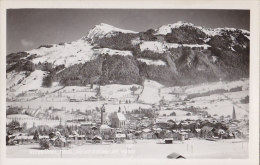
120	116
197	130
120	136
146	130
97	137
157	129
104	126
207	128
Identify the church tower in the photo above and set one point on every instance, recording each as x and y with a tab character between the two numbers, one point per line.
234	117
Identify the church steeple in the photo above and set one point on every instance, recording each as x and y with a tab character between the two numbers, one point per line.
234	117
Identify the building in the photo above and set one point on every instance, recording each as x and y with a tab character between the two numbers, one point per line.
118	120
234	117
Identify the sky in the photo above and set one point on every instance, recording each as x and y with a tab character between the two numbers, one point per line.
29	28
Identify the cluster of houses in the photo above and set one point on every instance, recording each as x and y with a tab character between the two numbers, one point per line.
122	126
130	126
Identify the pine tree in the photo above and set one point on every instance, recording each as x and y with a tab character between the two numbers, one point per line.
36	136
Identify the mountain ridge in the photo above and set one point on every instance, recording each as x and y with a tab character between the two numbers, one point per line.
179	53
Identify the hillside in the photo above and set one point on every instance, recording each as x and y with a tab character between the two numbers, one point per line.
174	54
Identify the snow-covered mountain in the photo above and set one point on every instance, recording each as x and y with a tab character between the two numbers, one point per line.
174	54
66	54
165	29
105	30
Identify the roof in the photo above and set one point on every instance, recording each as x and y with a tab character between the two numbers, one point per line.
61	139
207	128
157	129
198	130
97	138
146	130
120	116
120	136
167	139
183	133
175	156
104	126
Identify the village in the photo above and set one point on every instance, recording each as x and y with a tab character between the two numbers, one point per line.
121	126
114	115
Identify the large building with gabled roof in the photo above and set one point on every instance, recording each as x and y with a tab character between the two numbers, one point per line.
118	120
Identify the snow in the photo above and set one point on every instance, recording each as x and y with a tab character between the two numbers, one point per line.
160	47
13	78
150	94
204	46
224	108
232	49
165	29
135	41
140	149
207	40
248	37
14	116
30	86
105	30
214	58
77	52
171	45
118	91
152	62
154	46
30	121
112	52
217	85
120	116
33	81
221	104
82	106
177	112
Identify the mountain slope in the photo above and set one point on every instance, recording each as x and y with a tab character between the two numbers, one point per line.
174	54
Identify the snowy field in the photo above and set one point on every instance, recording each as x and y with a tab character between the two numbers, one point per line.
191	149
82	106
152	92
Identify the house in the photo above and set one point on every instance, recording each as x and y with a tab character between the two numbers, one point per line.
81	137
219	132
168	134
168	140
138	134
197	132
183	136
119	137
156	132
147	134
104	128
130	136
118	120
175	136
105	131
207	131
162	124
87	125
60	142
97	139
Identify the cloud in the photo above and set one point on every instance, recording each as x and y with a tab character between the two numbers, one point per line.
27	43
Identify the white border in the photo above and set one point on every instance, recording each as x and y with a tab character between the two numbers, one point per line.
252	5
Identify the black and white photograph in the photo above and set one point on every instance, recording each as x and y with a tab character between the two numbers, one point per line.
127	83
